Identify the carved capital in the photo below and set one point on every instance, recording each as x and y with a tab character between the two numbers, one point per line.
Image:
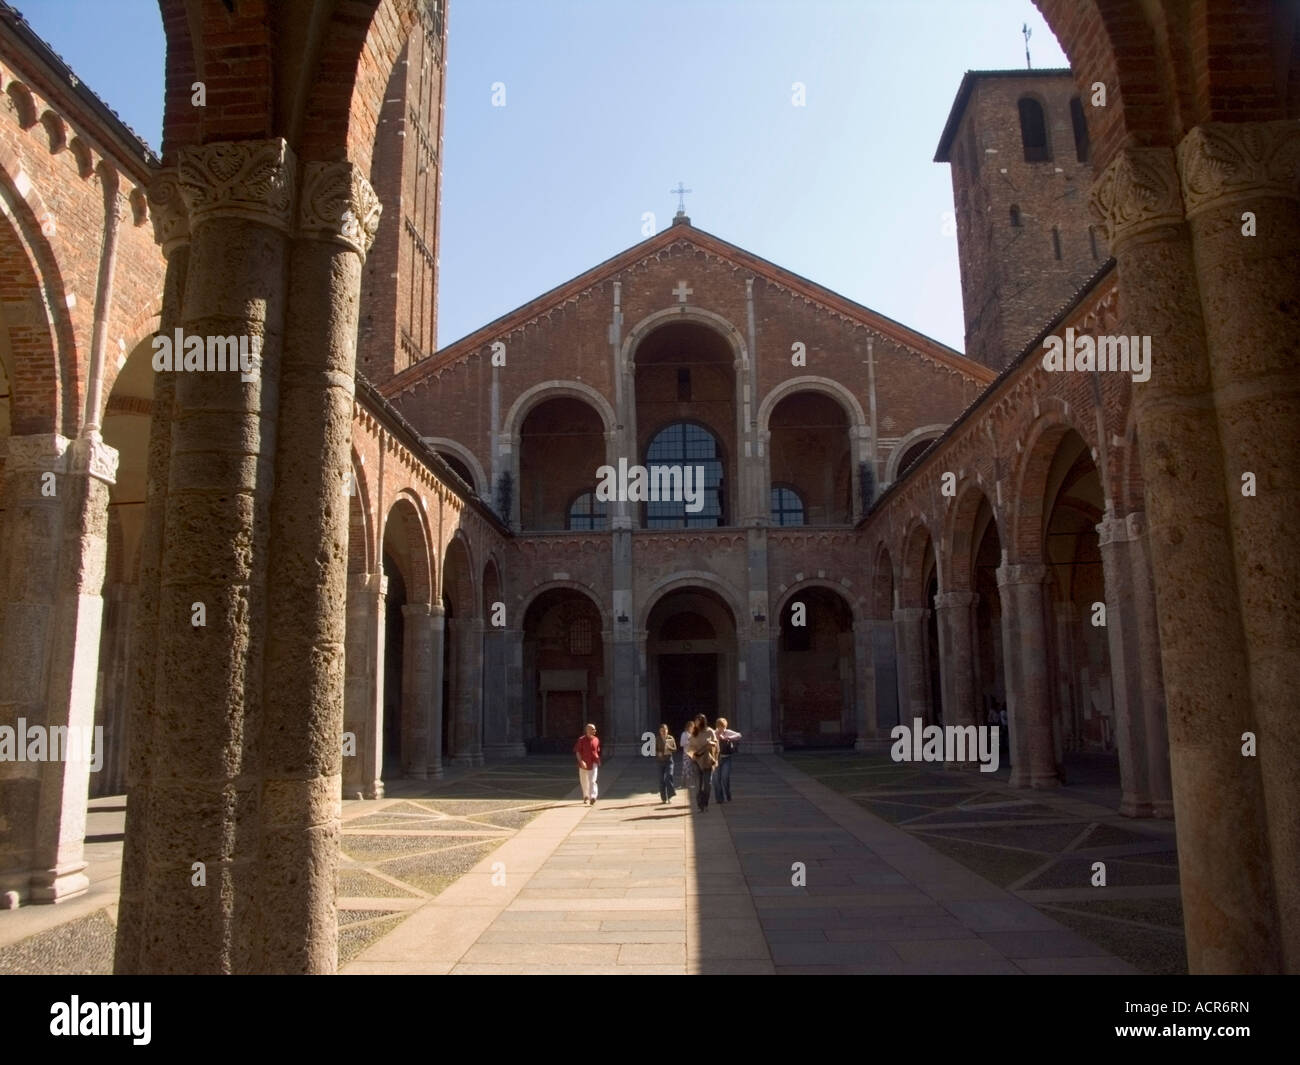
1112	530
239	179
954	600
1032	573
91	456
167	211
1223	162
40	453
338	205
1136	193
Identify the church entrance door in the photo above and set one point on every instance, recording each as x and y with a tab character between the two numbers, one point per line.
688	685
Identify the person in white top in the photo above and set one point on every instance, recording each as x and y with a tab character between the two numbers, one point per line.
684	780
704	752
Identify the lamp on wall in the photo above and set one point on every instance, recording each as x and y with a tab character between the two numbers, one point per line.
760	617
622	619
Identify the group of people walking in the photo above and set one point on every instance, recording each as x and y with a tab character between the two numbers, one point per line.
705	761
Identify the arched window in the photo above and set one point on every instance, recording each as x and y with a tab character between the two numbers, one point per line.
1033	130
587	513
678	446
1015	215
787	507
1080	130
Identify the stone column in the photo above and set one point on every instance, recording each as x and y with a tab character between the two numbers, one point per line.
52	559
437	671
1029	696
1126	667
206	800
956	660
513	669
363	698
1250	291
495	744
466	691
1225	873
864	684
1153	687
911	622
884	661
756	649
623	708
417	689
171	227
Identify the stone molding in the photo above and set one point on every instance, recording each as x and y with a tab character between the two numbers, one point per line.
252	180
954	600
1221	163
338	204
1031	573
1115	530
167	211
1136	193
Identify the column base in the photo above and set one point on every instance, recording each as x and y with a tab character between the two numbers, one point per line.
376	790
1163	809
1019	778
1132	806
1045	781
416	774
51	886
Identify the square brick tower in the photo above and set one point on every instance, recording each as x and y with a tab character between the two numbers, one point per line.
1017	141
398	324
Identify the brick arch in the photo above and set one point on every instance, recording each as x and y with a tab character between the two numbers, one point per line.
414	527
1024	521
811	383
458	555
958	538
911	587
539	394
362	556
692	579
857	608
44	374
882	583
491	585
904	445
527	600
688	315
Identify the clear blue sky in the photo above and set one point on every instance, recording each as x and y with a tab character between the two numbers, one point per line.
610	102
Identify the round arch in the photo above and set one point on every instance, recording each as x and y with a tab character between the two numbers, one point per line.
957	543
688	579
461	596
527	599
444	443
924	432
916	538
1024	519
857	607
883	583
687	315
361	545
532	397
812	383
421	581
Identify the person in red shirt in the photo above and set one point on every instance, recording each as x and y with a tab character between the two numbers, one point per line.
587	750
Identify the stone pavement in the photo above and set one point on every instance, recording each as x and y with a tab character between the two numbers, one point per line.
630	886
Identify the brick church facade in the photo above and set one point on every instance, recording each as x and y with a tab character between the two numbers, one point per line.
408	546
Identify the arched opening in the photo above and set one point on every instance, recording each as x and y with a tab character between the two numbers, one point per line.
911	456
406	697
884	643
695	499
561	448
815	670
691	658
125	428
686	416
1033	130
461	469
564	670
494	726
810	452
990	678
462	663
1079	653
934	683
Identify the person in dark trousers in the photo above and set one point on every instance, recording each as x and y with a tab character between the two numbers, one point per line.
704	753
587	750
728	745
665	745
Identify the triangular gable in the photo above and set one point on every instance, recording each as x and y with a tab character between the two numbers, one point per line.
477	342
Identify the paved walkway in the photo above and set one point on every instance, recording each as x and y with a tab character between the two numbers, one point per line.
630	886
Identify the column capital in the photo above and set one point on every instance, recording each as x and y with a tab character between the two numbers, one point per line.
90	455
374	583
1115	530
253	180
338	204
954	600
167	211
1221	163
1138	192
416	610
1024	573
910	613
40	452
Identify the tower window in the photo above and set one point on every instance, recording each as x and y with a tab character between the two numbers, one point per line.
1092	239
1080	130
1015	215
1056	241
1033	130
